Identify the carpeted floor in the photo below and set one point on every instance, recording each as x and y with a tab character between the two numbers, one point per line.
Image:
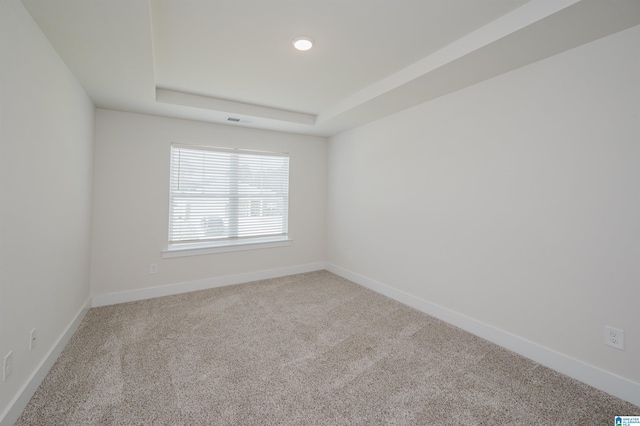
309	349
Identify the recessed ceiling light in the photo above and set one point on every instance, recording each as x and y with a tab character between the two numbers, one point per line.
303	43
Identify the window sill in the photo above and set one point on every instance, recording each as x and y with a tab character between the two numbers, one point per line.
200	249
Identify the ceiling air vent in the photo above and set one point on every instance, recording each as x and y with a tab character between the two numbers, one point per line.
239	120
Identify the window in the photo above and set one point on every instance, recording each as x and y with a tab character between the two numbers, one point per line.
225	197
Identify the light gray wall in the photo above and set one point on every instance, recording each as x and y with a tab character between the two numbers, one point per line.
514	202
131	199
46	142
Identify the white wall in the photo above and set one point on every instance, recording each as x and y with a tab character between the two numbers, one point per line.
46	141
131	199
514	202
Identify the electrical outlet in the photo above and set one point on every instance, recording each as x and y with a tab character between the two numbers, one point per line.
32	339
7	368
614	337
153	269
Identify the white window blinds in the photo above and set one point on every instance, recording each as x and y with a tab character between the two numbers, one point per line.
220	196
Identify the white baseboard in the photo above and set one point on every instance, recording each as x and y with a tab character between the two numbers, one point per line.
171	289
15	408
20	401
598	378
591	375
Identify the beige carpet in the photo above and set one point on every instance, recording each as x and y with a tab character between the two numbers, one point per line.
309	349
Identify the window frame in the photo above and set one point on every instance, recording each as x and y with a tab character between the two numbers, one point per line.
229	244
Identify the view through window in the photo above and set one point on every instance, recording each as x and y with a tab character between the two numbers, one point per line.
224	196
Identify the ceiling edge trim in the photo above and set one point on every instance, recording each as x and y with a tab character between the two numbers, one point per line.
502	27
226	106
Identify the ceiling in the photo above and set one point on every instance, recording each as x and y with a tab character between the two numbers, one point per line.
214	59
